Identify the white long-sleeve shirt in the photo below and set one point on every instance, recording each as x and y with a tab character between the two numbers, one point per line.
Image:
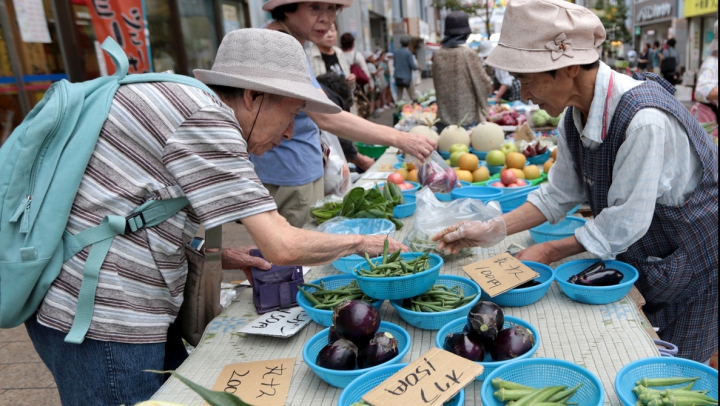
655	164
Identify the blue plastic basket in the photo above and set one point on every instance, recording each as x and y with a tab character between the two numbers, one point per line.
515	198
401	157
457	326
444	155
539	159
324	317
509	190
526	296
495	169
542	372
368	381
546	232
435	321
400	287
595	294
480	154
347	264
398	165
341	379
414	189
664	367
405	210
446	197
483	193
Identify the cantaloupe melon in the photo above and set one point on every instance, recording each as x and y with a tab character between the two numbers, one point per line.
426	131
453	134
487	137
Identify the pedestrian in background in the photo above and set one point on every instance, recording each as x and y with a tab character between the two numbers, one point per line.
706	91
644	58
404	66
655	56
670	62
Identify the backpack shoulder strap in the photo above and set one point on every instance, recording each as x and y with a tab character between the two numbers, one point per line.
100	237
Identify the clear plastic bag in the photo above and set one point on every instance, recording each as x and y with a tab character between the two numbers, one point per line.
435	173
432	216
337	174
346	226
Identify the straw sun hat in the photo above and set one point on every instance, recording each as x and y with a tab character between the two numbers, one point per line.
266	61
270	5
543	35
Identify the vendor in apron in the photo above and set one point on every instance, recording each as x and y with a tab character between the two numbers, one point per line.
647	168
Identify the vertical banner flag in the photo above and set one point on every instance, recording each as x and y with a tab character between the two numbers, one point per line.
123	20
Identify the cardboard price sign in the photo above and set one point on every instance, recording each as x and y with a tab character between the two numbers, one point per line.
279	323
432	379
261	383
524	133
499	274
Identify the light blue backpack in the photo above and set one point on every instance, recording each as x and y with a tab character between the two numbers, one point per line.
41	166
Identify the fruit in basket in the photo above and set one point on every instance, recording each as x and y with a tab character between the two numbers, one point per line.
465	345
405	186
511	343
357	321
455	158
485	320
508	147
495	158
531	172
540	118
520	174
396	178
413	175
453	134
459	147
548	164
481	174
403	172
464	175
487	137
340	356
426	131
508	177
515	160
382	348
468	162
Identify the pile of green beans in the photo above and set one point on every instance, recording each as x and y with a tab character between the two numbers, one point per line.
327	299
683	396
520	395
393	265
438	299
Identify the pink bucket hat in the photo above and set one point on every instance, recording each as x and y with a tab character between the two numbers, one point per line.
544	35
270	5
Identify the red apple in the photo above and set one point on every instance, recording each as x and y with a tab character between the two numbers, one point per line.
498	184
507	177
521	182
396	178
513	185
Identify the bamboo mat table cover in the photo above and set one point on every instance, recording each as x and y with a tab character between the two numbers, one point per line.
600	338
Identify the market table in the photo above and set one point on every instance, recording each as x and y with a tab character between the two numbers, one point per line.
600	338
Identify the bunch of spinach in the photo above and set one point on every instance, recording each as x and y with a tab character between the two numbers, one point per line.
360	203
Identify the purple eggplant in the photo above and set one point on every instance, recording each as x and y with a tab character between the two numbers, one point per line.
486	319
605	277
340	355
511	343
593	268
464	345
528	284
356	321
382	348
333	335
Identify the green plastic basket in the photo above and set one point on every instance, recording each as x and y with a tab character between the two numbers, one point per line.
373	151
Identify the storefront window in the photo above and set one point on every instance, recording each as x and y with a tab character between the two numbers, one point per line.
87	50
164	55
707	35
10	111
199	32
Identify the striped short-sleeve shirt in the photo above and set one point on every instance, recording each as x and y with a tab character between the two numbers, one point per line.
161	140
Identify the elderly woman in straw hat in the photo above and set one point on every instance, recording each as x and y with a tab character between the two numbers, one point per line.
629	148
163	140
293	172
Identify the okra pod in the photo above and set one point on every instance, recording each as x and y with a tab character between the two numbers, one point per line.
648	382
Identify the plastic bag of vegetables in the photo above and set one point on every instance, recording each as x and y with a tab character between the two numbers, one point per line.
432	216
435	173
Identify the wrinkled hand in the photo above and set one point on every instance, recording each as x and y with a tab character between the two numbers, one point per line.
351	78
373	245
471	234
363	162
416	145
240	258
537	253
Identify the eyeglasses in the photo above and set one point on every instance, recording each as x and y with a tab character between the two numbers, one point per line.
317	10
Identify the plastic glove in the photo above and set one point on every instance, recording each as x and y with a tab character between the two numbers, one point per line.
373	245
471	234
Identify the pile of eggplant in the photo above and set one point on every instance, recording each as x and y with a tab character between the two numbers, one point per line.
354	340
484	333
597	275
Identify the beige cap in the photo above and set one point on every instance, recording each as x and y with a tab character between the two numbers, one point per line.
270	5
543	35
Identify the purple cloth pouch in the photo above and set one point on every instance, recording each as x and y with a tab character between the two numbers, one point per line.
276	288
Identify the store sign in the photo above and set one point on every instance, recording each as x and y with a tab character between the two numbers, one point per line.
653	12
124	21
31	21
699	7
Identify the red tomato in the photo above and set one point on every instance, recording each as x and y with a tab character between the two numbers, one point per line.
521	182
498	184
513	185
396	178
507	177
